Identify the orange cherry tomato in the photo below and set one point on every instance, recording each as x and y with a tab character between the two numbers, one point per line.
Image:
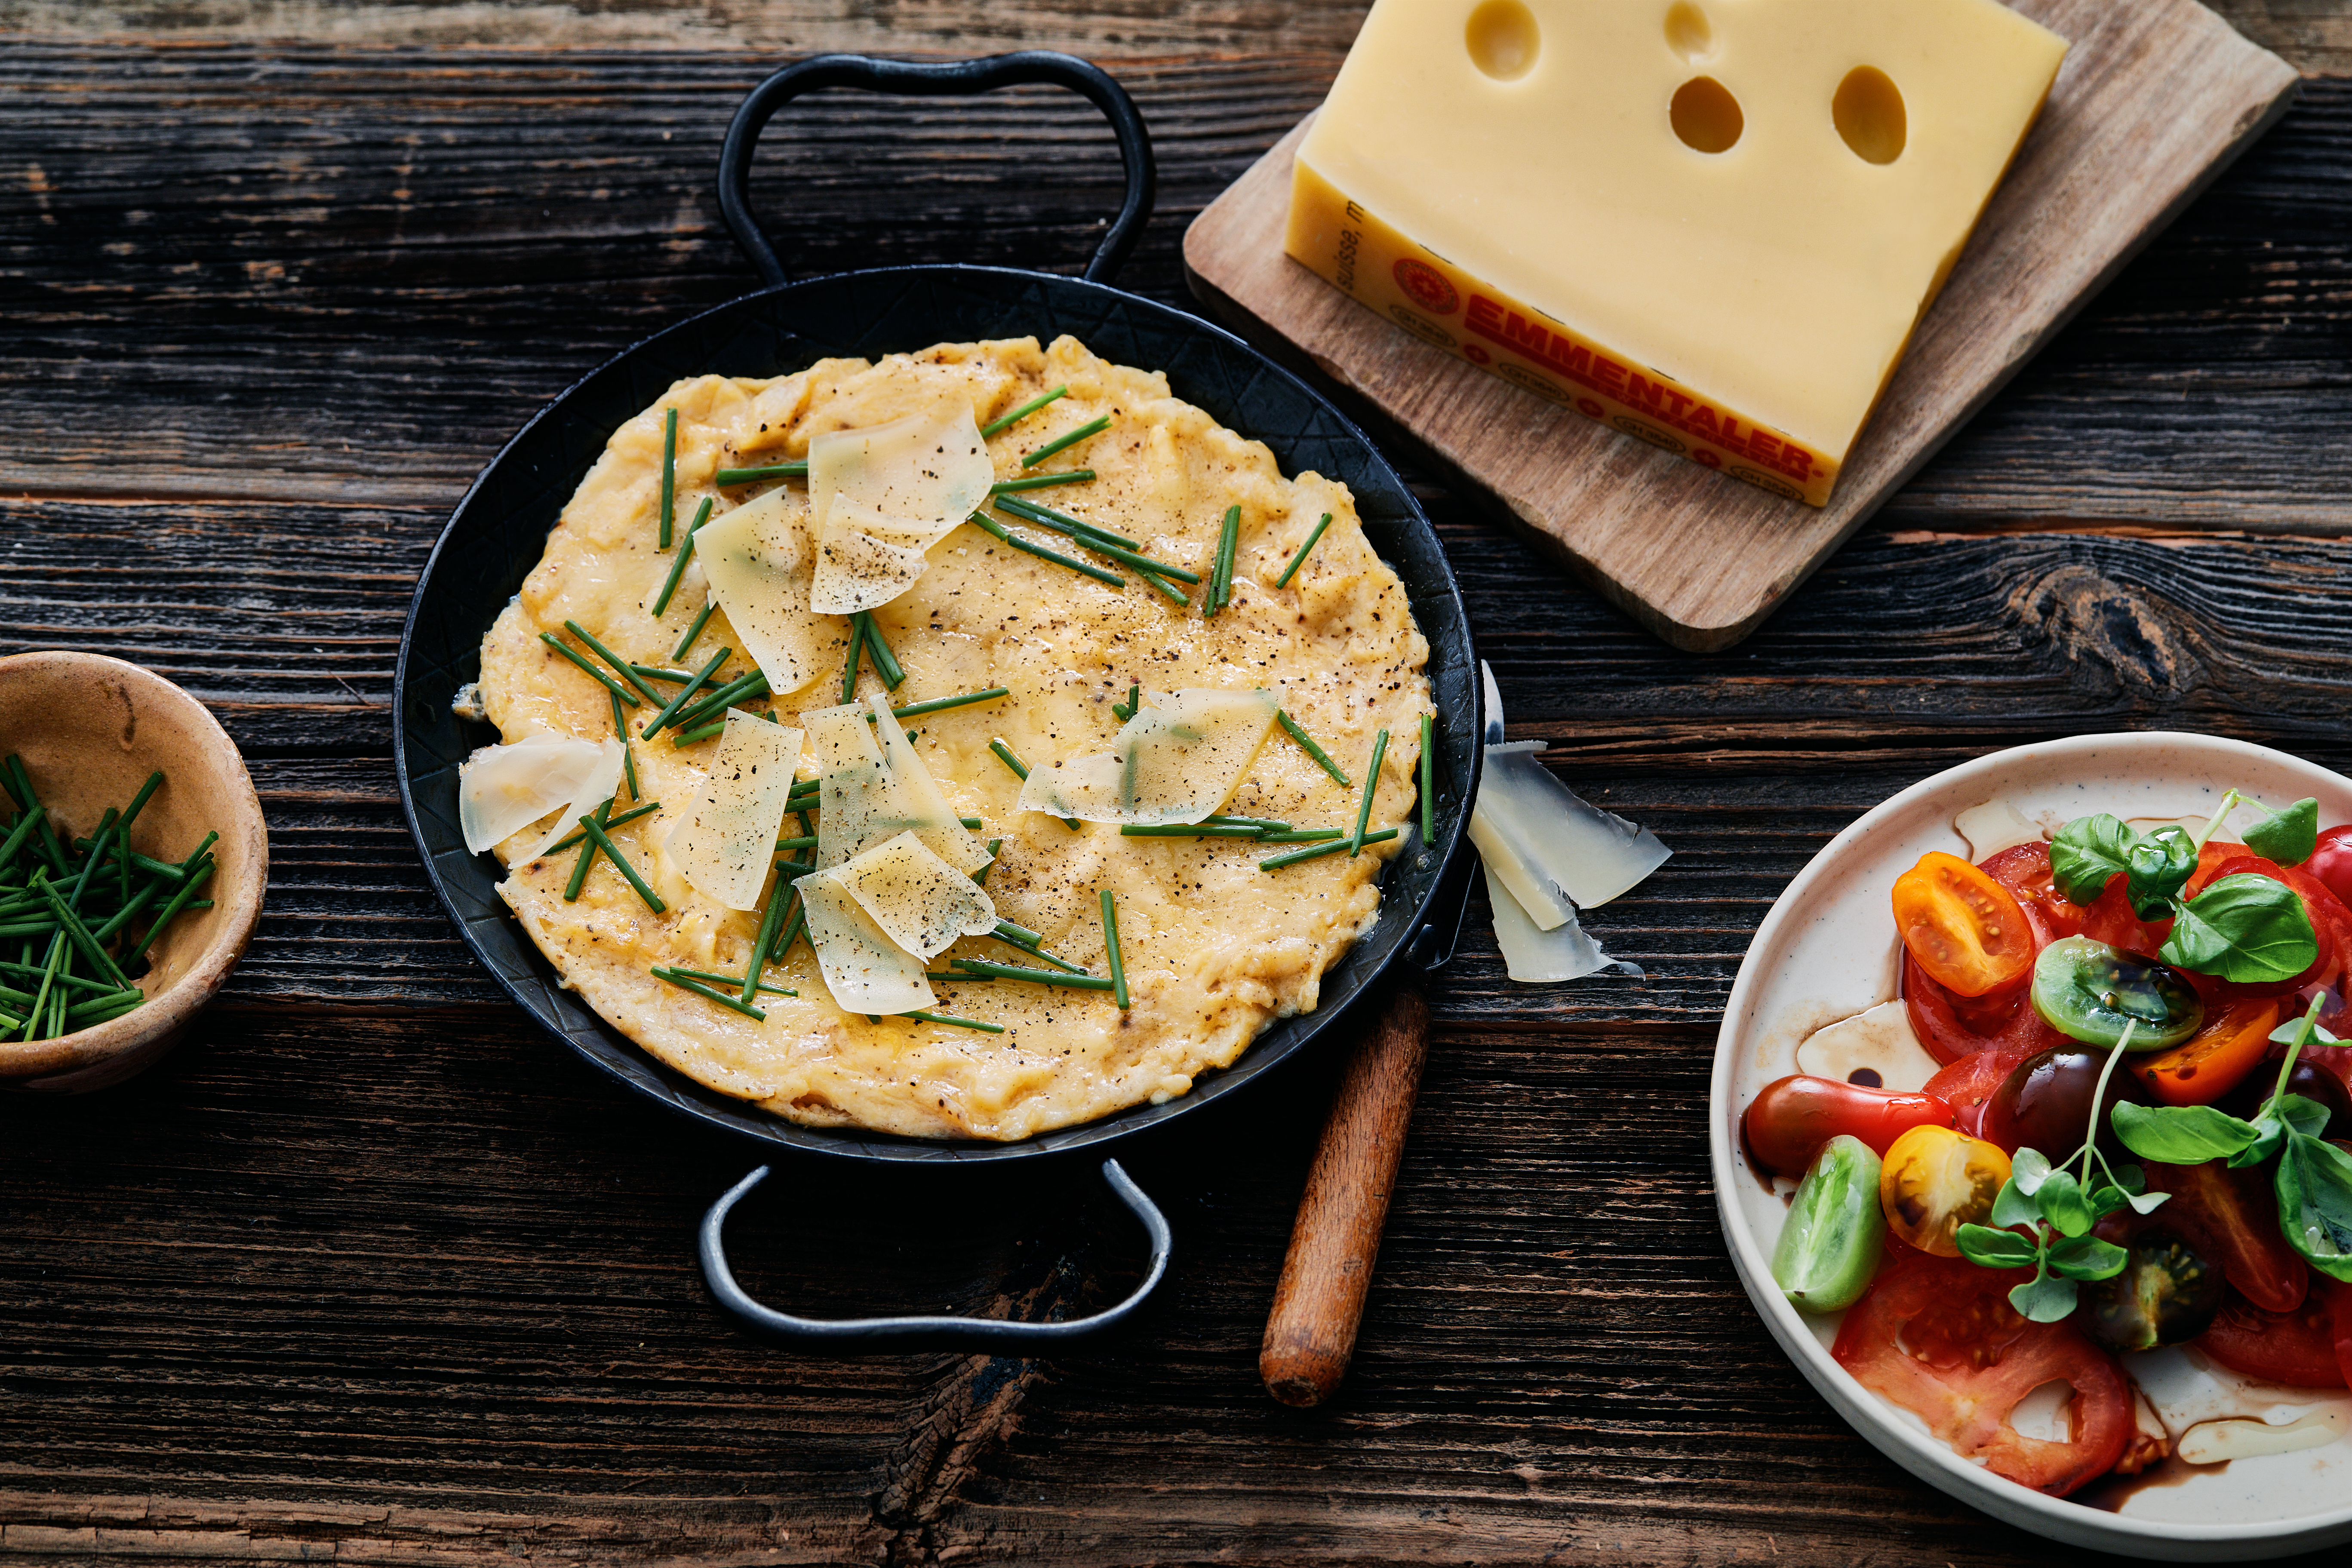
1936	1179
1964	929
2215	1059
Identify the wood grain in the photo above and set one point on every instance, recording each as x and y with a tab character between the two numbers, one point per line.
1319	1301
2152	100
371	1269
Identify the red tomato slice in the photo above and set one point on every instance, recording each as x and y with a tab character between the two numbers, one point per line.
1791	1117
1968	1084
2298	1347
2339	1307
1970	1359
2024	870
1965	930
2110	920
2331	862
2231	1217
2209	861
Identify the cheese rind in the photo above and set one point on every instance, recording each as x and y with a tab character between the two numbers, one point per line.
1743	308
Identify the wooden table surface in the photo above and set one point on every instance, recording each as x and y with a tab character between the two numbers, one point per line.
372	1269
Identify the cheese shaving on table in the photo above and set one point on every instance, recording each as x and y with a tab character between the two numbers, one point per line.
863	970
921	902
759	564
1178	760
1530	954
883	495
1556	853
726	843
503	789
872	787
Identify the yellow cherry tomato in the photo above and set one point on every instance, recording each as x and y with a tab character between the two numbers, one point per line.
1967	931
1935	1179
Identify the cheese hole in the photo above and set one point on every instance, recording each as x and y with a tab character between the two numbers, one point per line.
1503	40
1688	32
1868	111
1706	116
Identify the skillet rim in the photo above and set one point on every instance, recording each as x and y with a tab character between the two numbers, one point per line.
636	1069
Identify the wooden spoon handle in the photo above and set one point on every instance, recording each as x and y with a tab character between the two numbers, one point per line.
1312	1329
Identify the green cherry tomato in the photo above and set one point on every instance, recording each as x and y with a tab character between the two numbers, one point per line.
1835	1234
2087	991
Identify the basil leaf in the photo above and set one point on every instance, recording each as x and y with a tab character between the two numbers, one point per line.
2012	1206
2286	837
2043	1298
2027	1169
2315	1199
2087	852
2179	1134
2087	1258
1989	1248
2244	928
2161	864
2304	1116
2062	1204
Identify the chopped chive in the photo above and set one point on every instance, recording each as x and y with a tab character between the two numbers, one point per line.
669	471
48	978
1110	945
1064	442
791	868
595	674
934	975
575	836
685	553
959	1023
1133	704
685	694
1372	784
942	704
22	831
1333	847
79	933
628	757
857	647
1018	415
1035	976
771	921
1004	754
1032	942
621	667
111	1001
877	649
1221	575
1428	779
730	478
579	866
1302	836
1063	522
1284	581
122	828
1072	562
785	942
694	631
709	978
1039	481
1185	830
47	837
699	734
621	864
673	977
655	672
197	877
1087	539
1323	758
130	907
806	842
715	705
1263	824
979	878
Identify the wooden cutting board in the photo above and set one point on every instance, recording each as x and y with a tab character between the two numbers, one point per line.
2156	98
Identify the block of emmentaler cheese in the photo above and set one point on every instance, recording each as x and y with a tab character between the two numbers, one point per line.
1711	224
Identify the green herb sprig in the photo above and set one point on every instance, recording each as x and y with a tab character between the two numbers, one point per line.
1306	743
1297	561
1006	536
1006	422
728	478
1066	440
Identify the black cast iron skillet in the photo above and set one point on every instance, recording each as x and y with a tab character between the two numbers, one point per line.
499	529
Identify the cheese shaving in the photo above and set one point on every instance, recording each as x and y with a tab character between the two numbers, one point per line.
503	789
1556	853
883	495
920	902
1178	760
725	844
1565	952
864	971
872	787
759	564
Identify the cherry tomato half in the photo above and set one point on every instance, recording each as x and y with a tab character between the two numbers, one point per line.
2332	861
2231	1217
2216	1059
1791	1117
2024	870
1971	1360
2296	1348
1966	929
1935	1179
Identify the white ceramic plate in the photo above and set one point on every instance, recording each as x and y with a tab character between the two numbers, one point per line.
1828	950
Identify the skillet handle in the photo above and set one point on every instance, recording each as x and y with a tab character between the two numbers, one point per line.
936	1332
1311	1332
938	80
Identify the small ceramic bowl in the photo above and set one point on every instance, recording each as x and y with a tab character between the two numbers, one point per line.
90	730
1826	952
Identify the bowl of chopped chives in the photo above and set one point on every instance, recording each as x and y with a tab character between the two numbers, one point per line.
132	861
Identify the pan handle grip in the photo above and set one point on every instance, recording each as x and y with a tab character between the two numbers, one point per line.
936	1332
1311	1332
937	79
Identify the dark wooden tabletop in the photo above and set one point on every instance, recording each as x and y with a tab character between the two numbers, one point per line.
373	1269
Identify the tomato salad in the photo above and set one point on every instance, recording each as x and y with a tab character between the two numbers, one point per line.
2141	1136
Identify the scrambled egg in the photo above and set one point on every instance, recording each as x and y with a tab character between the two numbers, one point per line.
1213	948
